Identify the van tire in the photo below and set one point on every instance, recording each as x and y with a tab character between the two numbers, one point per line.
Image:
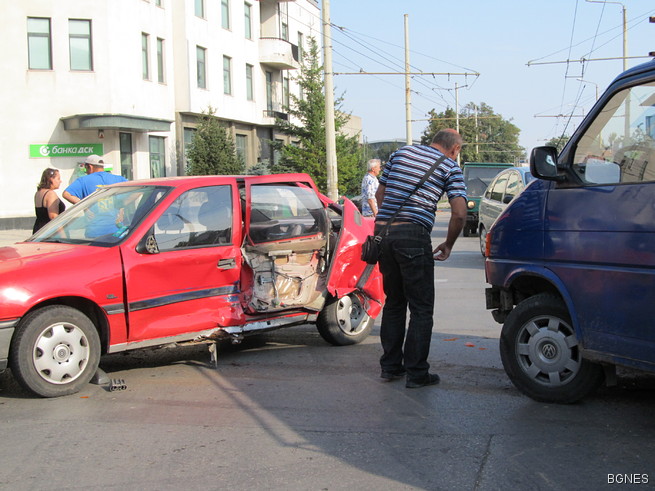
540	352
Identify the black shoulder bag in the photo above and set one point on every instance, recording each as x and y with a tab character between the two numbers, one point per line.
372	247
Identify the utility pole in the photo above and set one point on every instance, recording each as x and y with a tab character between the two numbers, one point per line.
330	133
457	115
408	91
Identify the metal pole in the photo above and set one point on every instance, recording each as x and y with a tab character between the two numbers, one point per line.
408	91
457	116
330	133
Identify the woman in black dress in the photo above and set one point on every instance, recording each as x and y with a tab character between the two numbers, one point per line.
47	204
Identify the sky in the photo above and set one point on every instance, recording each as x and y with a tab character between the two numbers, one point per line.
519	48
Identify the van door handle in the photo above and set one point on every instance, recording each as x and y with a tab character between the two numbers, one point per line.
229	263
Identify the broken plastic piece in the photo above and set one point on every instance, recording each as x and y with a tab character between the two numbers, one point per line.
117	384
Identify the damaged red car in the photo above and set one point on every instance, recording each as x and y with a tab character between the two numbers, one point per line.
179	260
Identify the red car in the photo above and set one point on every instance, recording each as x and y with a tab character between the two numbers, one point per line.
146	263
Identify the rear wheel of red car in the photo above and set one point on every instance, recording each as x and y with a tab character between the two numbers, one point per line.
55	351
344	321
541	355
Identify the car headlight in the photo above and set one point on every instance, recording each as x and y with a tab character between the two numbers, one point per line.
470	205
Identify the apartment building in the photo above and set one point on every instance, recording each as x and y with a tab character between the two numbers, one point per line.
127	79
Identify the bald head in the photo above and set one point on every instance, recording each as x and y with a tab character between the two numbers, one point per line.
448	141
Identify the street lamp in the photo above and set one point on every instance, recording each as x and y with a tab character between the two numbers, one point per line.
625	31
588	82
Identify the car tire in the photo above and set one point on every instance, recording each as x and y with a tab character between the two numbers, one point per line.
483	240
55	351
467	231
343	321
541	355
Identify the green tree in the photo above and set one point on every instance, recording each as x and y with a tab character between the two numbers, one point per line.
488	137
307	153
212	150
558	142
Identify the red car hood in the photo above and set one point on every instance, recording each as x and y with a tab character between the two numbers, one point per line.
31	272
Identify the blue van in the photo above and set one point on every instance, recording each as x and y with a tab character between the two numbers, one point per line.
571	261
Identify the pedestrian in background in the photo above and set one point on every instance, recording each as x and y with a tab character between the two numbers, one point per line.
96	177
407	258
369	187
47	204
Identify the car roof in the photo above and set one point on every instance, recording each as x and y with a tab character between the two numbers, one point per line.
195	181
521	170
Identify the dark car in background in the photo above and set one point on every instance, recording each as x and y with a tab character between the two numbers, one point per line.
477	176
503	189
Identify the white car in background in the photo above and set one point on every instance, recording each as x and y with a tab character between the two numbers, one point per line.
503	189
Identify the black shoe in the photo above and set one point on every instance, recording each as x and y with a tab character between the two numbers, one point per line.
389	375
429	379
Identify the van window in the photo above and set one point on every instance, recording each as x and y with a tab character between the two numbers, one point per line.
619	146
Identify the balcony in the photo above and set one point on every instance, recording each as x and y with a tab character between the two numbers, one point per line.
278	53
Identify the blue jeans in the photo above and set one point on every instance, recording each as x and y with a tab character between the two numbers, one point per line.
407	267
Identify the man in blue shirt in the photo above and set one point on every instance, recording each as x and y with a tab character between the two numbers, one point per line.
96	177
103	216
407	258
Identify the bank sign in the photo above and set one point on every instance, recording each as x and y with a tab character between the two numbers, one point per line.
65	150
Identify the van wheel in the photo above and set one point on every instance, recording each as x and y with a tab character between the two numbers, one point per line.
55	351
540	352
483	239
344	321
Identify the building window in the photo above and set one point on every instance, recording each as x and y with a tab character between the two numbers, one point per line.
200	8
145	38
285	90
126	155
201	67
241	144
39	46
189	133
250	92
269	92
79	32
160	61
277	154
227	75
158	3
285	31
247	14
157	156
225	14
300	46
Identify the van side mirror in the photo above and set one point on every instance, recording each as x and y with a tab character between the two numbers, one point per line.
543	164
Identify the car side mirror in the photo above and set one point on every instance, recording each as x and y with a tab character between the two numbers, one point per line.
507	199
148	244
543	164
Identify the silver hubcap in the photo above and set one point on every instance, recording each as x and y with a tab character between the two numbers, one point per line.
351	316
61	353
548	352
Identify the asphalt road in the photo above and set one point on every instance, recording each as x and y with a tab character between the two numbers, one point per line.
286	411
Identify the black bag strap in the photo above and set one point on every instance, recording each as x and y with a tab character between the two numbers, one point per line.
416	188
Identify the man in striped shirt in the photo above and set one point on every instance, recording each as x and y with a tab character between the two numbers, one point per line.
407	259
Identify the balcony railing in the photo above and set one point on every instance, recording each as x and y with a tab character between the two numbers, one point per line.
278	53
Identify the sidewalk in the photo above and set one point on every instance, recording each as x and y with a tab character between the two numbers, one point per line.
9	237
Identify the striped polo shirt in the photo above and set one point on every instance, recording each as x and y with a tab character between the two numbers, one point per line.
405	168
